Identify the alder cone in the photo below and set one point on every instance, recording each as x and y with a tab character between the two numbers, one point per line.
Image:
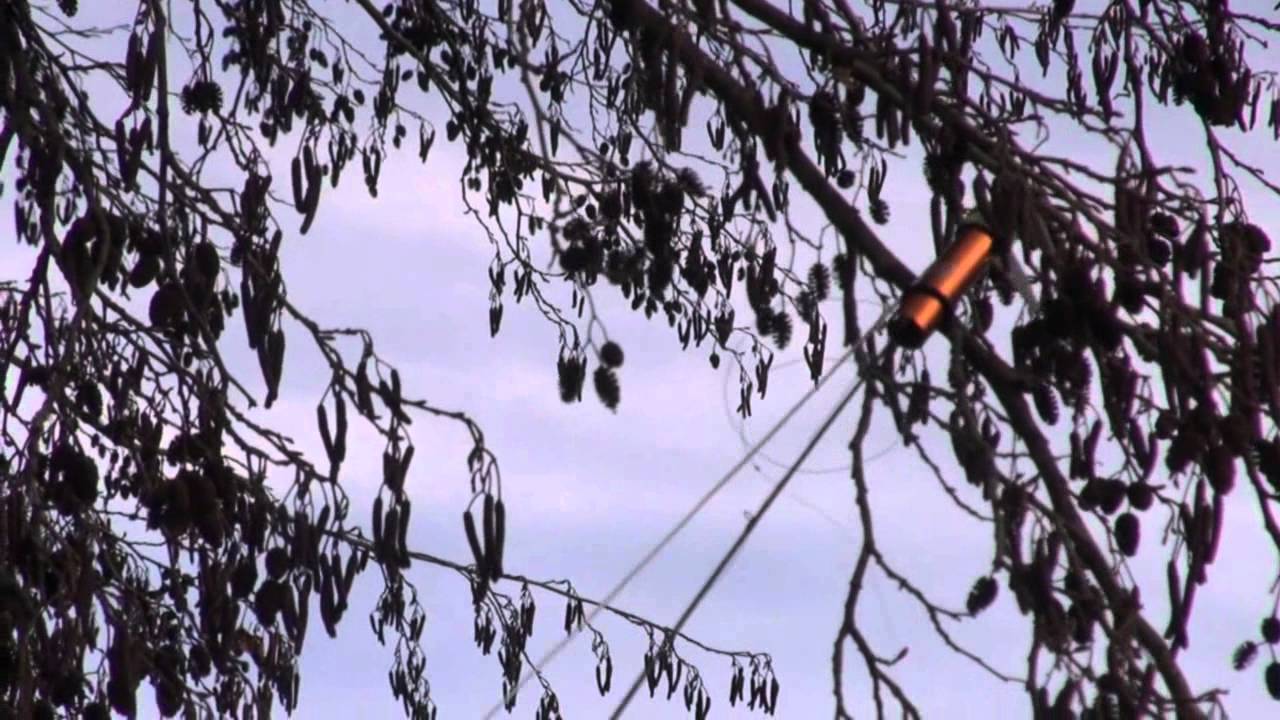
1272	678
607	389
1220	467
67	688
1113	494
207	262
166	306
177	506
144	271
611	354
1046	403
268	602
201	662
123	696
981	595
1082	625
1141	496
277	562
168	697
1271	630
89	399
1244	655
81	476
1159	250
1128	533
243	578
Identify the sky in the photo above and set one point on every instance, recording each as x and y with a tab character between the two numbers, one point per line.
590	491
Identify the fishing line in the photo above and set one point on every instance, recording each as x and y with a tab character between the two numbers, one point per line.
746	533
688	517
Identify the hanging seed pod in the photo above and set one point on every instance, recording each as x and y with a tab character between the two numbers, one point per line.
606	383
1127	532
473	540
1046	403
571	372
1141	496
1244	655
819	282
488	522
1272	679
1111	494
1082	624
918	403
144	271
984	313
1195	252
1078	469
1138	443
277	563
981	595
166	307
1271	630
611	355
1220	468
244	578
499	540
1184	449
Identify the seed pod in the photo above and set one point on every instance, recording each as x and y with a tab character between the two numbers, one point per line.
272	360
1127	532
277	562
1082	628
364	391
1046	403
1220	468
981	595
1176	631
606	383
1271	630
243	578
469	524
490	534
918	402
1244	655
1141	496
1272	678
150	62
390	535
166	307
1138	443
1091	446
1196	249
340	437
377	520
322	422
312	199
402	539
1114	493
611	355
604	675
144	271
296	175
500	539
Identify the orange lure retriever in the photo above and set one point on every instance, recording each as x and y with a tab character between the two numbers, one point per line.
927	302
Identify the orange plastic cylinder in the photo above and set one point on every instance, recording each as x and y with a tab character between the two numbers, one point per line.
926	304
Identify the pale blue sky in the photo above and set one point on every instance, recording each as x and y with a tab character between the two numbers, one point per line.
588	491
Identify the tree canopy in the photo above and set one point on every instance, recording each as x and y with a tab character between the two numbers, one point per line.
1107	389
